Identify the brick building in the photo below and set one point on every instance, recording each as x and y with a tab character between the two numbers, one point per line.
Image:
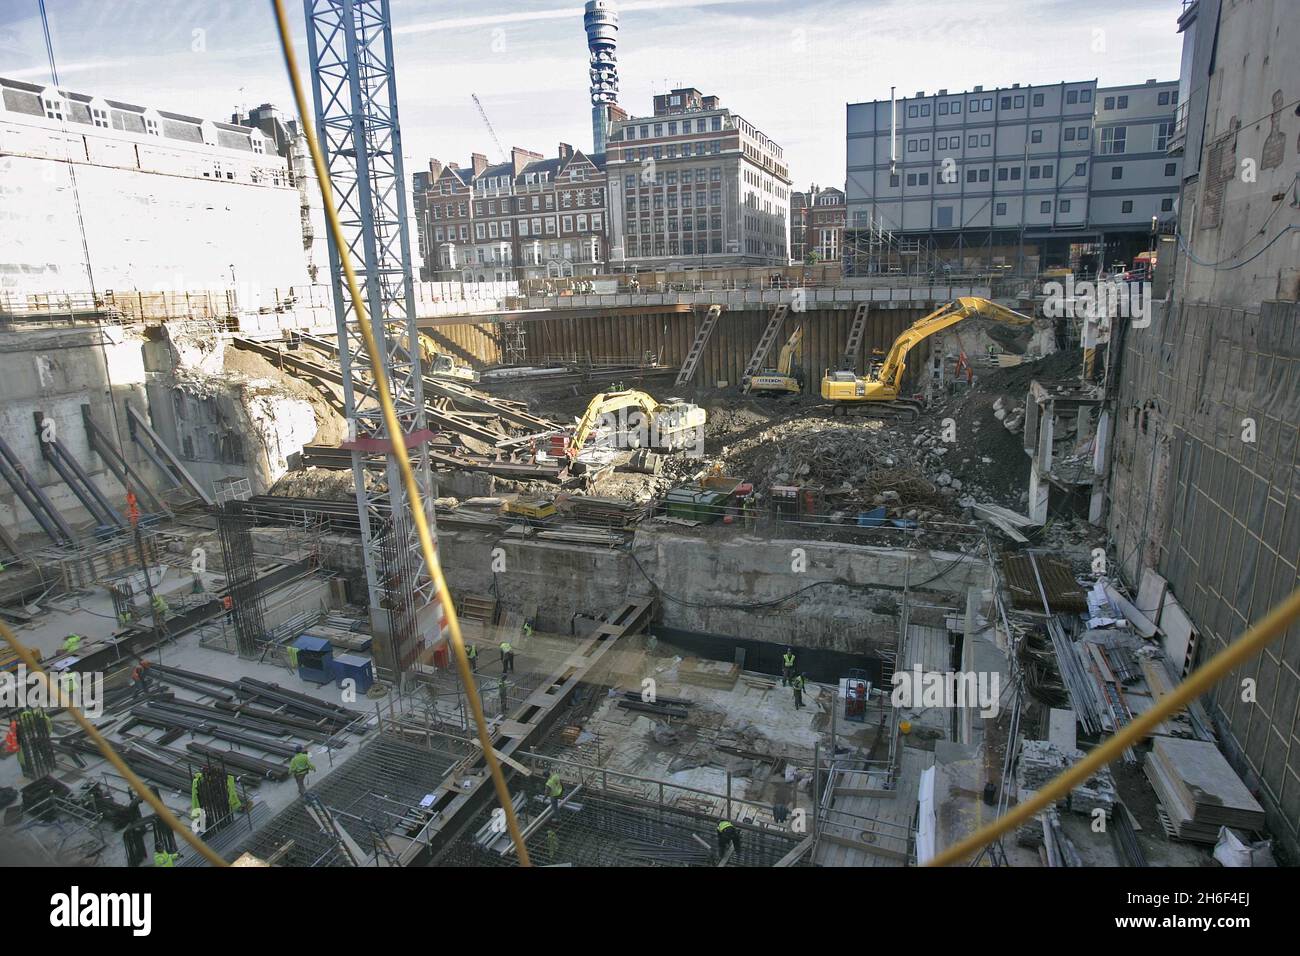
528	218
695	185
817	224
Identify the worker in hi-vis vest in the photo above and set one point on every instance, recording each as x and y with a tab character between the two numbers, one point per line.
554	790
471	651
728	834
300	765
787	666
507	658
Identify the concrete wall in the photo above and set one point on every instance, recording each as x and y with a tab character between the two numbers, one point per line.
718	584
1240	215
56	372
1206	490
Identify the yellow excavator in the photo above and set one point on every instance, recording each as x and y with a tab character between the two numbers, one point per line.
786	378
638	420
878	393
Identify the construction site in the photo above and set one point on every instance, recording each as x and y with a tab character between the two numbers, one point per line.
719	568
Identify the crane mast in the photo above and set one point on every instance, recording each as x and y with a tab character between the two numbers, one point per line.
354	92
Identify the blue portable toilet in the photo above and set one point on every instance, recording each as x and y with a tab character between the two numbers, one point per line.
354	667
315	659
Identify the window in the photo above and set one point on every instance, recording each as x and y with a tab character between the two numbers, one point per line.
986	139
629	133
1117	172
943	109
437	234
911	179
1170	168
1020	102
1015	173
1000	209
1033	172
715	146
1164	130
956	106
629	181
912	111
492	230
523	227
974	106
925	145
923	179
971	175
943	216
597	222
987	103
550	225
566	223
984	175
1108	103
151	127
1035	136
1064	205
657	152
1126	206
672	127
478	231
715	123
1121	103
537	227
1071	97
1163	99
1006	103
464	233
1085	96
1003	174
1038	99
53	108
100	118
1167	205
1048	171
911	146
659	129
1069	133
1083	132
1045	206
1081	169
893	179
1113	140
941	142
925	109
972	141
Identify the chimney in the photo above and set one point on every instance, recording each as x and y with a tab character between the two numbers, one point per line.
519	158
566	151
435	170
479	162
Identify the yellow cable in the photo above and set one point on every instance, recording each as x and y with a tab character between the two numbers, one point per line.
1197	683
138	785
395	434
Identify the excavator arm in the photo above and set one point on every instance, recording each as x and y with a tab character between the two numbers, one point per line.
790	352
607	402
891	371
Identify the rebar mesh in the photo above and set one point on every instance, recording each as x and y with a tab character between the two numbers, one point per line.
234	522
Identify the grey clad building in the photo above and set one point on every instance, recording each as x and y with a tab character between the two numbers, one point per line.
1017	179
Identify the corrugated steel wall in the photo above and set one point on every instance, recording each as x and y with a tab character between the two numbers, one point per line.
669	336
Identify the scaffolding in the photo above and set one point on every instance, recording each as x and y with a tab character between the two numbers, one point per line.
235	522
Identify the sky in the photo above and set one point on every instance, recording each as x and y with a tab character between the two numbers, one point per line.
787	67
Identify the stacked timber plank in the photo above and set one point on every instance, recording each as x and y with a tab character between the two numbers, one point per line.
612	513
719	675
1199	791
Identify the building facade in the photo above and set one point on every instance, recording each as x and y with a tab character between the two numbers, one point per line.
695	186
1016	179
157	200
817	225
530	218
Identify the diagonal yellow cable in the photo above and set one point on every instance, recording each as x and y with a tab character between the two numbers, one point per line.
395	433
1197	683
111	755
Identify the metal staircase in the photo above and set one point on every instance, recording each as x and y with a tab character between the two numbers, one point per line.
849	360
765	341
687	371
